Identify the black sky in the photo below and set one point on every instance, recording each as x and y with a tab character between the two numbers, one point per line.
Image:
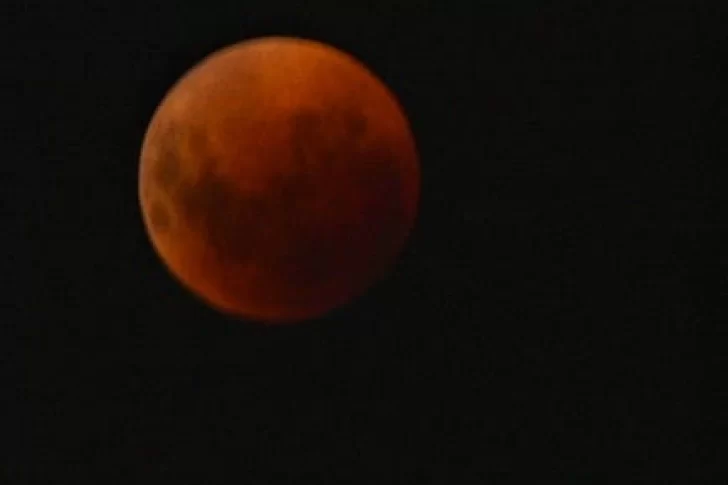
548	319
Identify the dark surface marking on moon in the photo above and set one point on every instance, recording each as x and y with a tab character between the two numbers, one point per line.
237	224
320	137
356	125
349	115
287	194
353	128
272	231
166	169
174	142
197	145
338	136
305	138
165	160
159	217
229	219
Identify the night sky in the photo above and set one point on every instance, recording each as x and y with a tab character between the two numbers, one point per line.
552	319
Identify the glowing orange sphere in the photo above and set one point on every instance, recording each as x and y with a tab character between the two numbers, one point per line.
279	179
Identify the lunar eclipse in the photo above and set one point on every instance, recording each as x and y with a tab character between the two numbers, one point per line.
279	179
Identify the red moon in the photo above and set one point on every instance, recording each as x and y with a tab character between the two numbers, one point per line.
279	179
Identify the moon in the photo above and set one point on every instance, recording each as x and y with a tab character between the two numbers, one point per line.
279	179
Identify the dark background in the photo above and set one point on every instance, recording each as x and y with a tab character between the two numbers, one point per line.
554	316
